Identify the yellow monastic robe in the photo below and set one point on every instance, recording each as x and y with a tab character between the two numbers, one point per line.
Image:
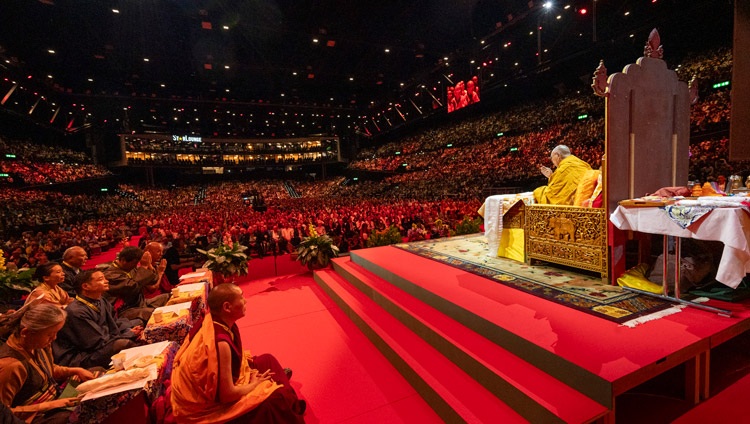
195	382
562	185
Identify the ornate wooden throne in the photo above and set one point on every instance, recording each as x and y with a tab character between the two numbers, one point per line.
647	129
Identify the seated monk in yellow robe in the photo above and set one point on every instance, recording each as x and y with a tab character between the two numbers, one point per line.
215	381
562	184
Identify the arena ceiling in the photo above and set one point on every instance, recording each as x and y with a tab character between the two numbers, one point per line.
341	63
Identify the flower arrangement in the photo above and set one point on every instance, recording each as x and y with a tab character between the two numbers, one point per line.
384	238
15	283
467	226
316	250
226	259
416	232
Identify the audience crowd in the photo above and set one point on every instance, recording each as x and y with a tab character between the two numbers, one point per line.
435	176
23	162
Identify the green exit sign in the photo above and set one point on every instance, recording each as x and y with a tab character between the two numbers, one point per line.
721	84
10	156
584	116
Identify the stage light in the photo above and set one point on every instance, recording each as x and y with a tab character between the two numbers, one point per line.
583	11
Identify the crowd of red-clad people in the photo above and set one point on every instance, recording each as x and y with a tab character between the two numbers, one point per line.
27	163
427	190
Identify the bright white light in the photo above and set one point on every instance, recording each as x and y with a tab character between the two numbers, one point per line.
548	5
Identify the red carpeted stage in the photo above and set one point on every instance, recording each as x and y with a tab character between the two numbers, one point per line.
387	336
458	337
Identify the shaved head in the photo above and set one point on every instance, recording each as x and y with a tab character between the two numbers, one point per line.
221	294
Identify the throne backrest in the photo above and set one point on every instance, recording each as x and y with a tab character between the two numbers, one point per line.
647	131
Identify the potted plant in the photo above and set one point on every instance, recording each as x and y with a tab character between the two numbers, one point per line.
316	250
384	238
14	284
226	261
467	226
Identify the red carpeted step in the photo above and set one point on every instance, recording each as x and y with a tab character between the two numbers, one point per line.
454	395
534	393
726	406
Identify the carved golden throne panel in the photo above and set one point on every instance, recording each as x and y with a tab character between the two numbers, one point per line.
567	235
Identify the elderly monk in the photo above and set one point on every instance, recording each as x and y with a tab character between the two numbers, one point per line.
563	182
215	381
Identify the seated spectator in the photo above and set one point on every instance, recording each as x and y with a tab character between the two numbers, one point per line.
214	380
161	285
126	283
72	260
175	262
92	334
562	184
28	374
50	275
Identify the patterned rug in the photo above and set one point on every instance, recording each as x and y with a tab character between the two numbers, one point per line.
569	288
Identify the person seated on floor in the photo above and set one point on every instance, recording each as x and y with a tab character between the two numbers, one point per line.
563	182
28	374
92	334
175	262
160	265
214	380
72	260
50	275
126	283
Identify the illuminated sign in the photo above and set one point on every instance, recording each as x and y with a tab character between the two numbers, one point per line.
584	116
721	84
10	156
187	138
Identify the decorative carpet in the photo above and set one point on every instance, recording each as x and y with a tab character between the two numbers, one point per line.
585	293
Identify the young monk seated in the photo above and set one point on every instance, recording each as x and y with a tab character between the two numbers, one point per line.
215	381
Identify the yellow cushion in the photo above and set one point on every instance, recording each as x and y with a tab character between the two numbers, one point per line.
586	186
512	244
636	278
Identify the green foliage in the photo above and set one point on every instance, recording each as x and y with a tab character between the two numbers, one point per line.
316	250
14	284
467	226
227	260
390	236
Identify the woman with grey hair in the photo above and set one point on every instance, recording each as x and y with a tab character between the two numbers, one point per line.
28	375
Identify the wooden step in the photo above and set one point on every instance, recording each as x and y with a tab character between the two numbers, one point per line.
536	395
450	391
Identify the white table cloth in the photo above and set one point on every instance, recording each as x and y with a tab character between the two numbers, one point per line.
729	225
